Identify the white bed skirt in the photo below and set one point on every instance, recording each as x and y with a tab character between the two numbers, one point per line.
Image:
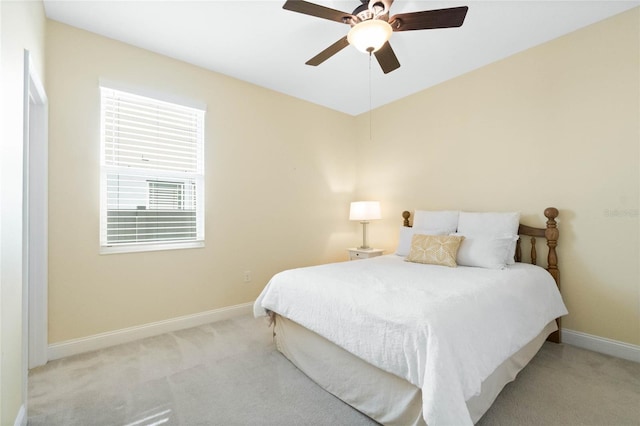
383	396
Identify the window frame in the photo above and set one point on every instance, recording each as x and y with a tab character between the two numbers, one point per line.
198	178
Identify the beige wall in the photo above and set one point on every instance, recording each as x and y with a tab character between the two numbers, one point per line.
280	174
22	25
553	126
557	125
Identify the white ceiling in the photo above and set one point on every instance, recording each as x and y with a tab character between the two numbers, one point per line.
259	42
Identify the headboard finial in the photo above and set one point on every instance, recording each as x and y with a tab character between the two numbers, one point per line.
551	213
406	215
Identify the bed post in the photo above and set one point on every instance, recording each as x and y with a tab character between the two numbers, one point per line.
551	234
406	215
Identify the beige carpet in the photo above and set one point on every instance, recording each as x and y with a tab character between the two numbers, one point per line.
229	373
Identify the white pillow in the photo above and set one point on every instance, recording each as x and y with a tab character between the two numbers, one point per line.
488	224
495	225
446	220
485	252
406	234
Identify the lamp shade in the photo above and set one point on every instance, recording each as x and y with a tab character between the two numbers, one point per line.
369	36
365	210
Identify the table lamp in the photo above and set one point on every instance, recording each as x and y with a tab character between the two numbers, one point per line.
364	211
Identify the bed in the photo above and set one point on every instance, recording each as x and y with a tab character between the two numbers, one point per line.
411	341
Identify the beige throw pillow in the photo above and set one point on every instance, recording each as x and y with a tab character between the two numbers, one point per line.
435	249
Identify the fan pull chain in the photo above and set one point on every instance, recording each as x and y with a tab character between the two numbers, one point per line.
370	103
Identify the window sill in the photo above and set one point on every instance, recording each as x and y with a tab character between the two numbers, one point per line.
134	248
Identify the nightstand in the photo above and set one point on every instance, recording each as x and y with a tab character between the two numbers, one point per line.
355	254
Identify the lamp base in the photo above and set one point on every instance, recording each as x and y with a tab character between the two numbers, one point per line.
364	245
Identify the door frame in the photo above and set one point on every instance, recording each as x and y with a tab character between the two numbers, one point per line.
35	219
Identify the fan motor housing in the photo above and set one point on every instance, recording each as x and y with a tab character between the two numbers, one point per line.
367	11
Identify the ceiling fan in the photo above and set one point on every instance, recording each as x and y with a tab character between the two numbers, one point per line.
371	27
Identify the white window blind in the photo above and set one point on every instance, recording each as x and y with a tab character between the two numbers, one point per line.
152	172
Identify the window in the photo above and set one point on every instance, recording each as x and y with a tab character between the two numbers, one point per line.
152	174
167	195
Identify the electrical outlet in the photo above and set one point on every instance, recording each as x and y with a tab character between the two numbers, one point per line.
247	276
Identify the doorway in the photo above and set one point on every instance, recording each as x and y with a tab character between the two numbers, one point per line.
35	220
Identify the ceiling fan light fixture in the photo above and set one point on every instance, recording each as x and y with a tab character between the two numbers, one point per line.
369	36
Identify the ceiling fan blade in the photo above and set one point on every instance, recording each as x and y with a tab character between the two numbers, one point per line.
328	52
429	19
317	11
387	58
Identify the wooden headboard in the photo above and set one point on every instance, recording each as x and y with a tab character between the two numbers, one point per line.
550	233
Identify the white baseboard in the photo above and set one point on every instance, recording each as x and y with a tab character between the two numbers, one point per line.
125	335
601	344
21	419
112	338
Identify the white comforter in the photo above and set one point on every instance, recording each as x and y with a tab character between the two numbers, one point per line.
442	329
